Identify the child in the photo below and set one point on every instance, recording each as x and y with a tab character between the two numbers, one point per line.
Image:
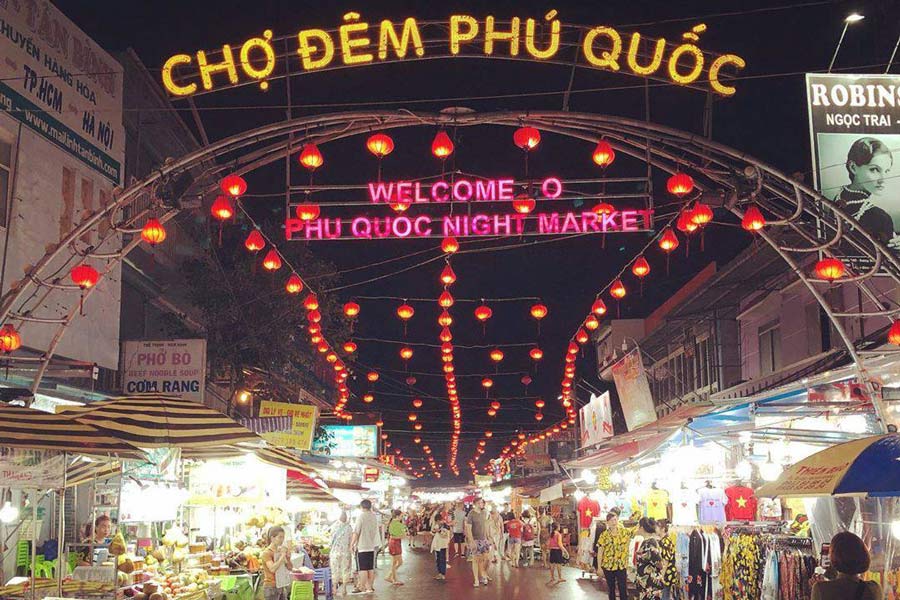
439	543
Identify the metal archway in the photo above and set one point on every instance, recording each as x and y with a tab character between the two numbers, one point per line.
820	224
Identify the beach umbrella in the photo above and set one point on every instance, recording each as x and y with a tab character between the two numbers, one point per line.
864	467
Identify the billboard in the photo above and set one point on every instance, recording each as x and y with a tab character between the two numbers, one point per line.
634	390
302	424
170	367
596	420
349	441
854	125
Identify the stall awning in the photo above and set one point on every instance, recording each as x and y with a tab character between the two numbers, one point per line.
30	429
160	422
82	471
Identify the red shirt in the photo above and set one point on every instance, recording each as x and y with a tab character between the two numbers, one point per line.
741	504
514	527
587	510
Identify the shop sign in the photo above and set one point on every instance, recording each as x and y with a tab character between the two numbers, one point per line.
170	367
634	390
854	125
302	424
483	480
32	469
371	474
357	42
350	441
60	84
596	420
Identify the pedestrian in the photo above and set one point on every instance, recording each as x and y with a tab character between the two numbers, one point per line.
276	565
850	558
649	564
459	531
412	524
544	522
612	555
495	534
671	577
476	538
557	554
514	529
396	532
365	540
340	559
528	536
440	540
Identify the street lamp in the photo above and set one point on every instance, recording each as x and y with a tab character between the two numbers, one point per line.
848	20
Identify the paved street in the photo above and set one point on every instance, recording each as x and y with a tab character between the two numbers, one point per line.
524	583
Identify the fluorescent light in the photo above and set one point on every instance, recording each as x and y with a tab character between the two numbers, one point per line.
854	18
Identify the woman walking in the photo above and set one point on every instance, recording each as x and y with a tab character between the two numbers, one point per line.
544	522
495	534
340	559
528	538
650	566
440	540
557	555
396	532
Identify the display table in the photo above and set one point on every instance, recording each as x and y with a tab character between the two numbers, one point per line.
238	587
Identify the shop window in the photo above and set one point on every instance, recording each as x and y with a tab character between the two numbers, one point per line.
769	348
6	155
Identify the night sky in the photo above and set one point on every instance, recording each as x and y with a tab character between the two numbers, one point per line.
767	118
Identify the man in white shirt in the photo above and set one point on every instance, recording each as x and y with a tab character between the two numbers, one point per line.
459	530
366	539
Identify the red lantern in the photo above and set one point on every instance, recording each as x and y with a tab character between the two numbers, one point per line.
604	155
893	333
314	316
591	323
581	336
368	398
448	277
351	309
684	224
380	424
830	269
539	311
446	348
417	402
380	145
539	403
445	320
331	357
372	376
399	206
668	241
701	214
449	245
487	383
410	380
446	335
442	146
496	355
572	348
604	208
753	220
308	212
618	289
406	353
350	347
641	267
527	138
536	353
483	313
153	232
272	262
495	405
523	204
405	311
598	307
10	340
445	300
538	417
417	440
255	241
488	434
233	185
85	276
526	380
412	417
311	302
222	209
680	184
310	157
294	284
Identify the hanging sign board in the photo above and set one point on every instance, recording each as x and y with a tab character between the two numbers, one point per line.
634	390
303	419
170	367
357	42
854	123
32	469
596	420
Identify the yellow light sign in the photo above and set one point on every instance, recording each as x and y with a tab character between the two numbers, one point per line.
356	42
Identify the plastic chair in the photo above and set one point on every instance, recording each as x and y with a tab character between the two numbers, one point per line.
324	576
23	556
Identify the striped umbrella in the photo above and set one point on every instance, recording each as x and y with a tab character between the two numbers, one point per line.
31	429
161	422
82	471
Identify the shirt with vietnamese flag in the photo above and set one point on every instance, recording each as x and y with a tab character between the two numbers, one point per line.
741	503
588	508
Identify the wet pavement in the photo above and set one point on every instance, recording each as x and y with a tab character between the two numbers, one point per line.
526	583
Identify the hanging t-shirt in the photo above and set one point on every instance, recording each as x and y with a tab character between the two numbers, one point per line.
588	508
712	505
684	507
657	502
741	503
769	509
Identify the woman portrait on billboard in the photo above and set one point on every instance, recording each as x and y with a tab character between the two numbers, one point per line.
869	163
